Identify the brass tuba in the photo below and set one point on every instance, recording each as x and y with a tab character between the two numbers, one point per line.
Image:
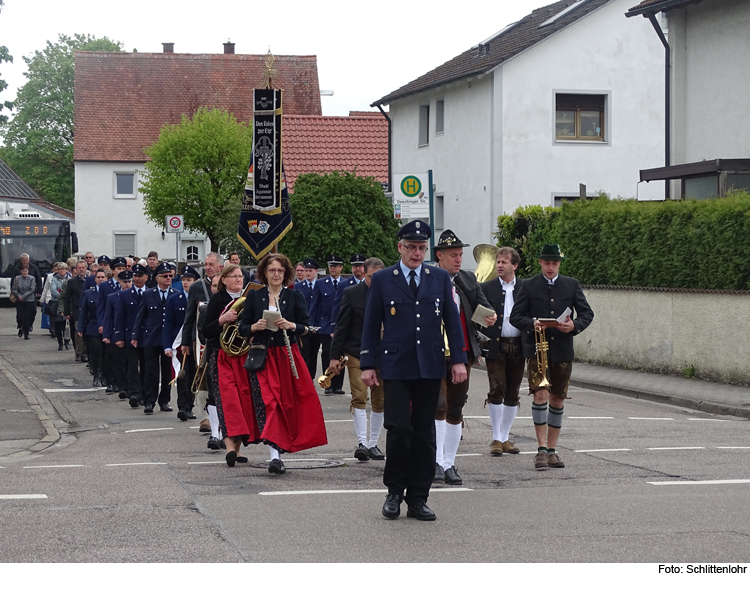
232	343
324	381
486	256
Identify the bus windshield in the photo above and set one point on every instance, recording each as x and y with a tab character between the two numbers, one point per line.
45	241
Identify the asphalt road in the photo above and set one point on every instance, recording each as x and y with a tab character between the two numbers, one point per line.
643	482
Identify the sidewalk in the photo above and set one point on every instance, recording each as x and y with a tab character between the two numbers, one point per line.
710	397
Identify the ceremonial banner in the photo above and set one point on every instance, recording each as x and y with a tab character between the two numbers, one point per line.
265	217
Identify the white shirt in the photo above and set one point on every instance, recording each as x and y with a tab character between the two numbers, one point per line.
406	270
552	281
508	330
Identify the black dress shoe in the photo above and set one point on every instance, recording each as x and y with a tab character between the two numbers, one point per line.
338	391
133	400
231	458
421	512
439	473
361	453
59	347
96	383
77	358
375	453
276	467
148	409
20	333
242	460
109	389
165	408
328	391
392	506
115	388
123	394
213	443
452	477
190	414
222	445
182	415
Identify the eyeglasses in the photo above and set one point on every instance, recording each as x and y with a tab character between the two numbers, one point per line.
276	271
234	277
412	248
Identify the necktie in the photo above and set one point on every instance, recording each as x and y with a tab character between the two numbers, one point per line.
163	297
335	284
138	291
413	282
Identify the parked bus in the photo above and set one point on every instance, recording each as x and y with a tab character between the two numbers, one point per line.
44	240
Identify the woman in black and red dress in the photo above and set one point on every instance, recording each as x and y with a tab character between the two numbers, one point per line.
287	408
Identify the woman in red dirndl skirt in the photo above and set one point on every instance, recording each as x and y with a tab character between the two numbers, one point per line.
287	408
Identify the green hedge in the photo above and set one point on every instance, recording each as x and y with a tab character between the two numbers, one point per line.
685	244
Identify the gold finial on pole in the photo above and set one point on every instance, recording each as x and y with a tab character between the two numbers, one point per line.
270	73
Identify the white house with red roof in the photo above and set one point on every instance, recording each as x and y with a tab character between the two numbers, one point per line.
571	94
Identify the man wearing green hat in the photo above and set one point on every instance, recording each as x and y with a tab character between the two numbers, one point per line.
541	299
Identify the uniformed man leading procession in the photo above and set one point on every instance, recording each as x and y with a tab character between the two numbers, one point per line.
467	296
411	301
548	296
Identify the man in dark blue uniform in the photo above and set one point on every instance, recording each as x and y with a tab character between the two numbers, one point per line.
88	326
108	287
126	312
147	334
174	318
325	295
110	336
411	301
103	262
309	343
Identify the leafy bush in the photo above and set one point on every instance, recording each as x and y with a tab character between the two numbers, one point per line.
682	244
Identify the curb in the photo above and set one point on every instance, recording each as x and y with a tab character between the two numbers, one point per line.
37	402
708	407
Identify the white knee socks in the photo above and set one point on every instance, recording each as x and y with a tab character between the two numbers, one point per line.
376	426
360	424
452	439
213	420
496	418
506	422
439	441
274	453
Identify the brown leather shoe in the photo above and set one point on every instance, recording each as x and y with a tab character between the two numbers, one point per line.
540	461
205	426
510	448
554	461
496	448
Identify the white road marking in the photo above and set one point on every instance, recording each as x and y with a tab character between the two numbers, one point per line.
717	420
340	492
217	462
527	452
662	448
732	447
487	417
583	451
701	482
59	466
593	418
340	421
19	410
139	464
142	430
74	389
23	496
650	419
467	455
196	427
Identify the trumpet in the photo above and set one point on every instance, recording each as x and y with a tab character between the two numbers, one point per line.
324	381
542	346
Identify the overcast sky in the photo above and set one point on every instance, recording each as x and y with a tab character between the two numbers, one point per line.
365	49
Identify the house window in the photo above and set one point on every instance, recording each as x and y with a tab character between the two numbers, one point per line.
424	125
124	185
124	244
192	253
579	117
439	116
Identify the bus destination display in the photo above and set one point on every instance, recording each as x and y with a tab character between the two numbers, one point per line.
30	230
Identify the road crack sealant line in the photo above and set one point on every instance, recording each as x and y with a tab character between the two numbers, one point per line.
39	404
205	513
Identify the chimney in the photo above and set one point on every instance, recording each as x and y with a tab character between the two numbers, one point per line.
168	47
229	47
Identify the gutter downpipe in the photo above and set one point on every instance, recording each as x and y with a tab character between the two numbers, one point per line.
667	91
389	145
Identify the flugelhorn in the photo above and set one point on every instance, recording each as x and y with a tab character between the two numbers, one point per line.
542	346
324	381
232	343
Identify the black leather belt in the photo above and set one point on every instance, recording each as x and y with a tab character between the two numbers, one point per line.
510	340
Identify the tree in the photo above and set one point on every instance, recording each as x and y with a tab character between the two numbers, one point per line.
39	138
198	169
340	213
4	57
